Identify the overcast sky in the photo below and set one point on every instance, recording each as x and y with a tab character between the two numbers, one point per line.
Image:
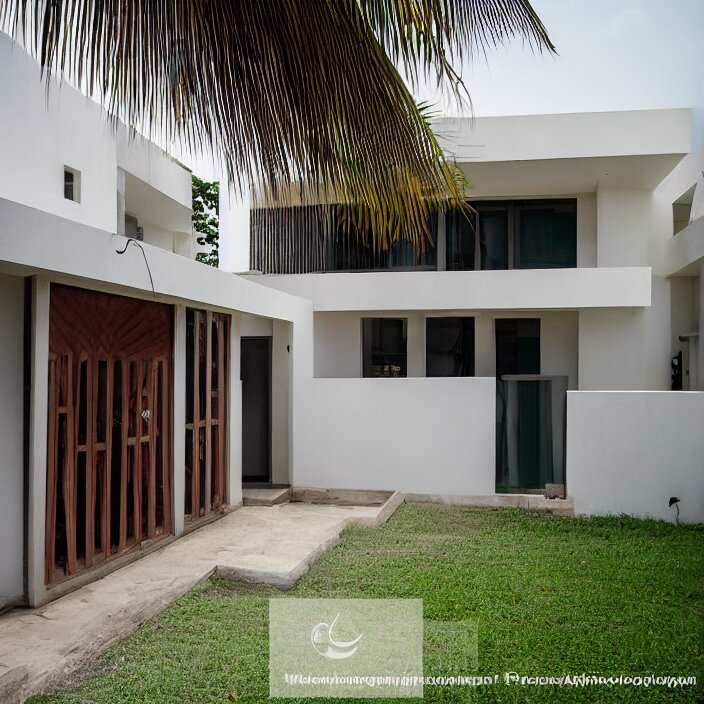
613	55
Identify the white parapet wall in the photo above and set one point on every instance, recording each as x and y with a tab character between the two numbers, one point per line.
630	451
423	435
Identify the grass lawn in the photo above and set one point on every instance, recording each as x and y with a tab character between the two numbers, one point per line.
550	595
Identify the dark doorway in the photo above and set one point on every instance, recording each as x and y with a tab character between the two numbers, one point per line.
255	368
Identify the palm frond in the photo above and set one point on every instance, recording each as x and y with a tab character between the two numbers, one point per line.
282	91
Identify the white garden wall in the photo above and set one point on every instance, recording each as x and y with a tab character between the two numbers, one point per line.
433	436
629	452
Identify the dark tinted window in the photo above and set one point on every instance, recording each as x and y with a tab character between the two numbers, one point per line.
384	347
546	236
493	237
459	240
449	347
517	346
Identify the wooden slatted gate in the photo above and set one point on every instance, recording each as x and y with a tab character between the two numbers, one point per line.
109	468
207	380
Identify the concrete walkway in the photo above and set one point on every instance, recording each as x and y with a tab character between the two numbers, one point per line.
276	545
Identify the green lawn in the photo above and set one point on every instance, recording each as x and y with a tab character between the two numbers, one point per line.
551	596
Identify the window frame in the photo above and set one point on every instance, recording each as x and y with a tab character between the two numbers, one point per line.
75	185
474	344
364	346
513	208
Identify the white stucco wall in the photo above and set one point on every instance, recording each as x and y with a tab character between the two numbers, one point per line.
415	435
280	402
628	348
37	243
629	452
11	439
338	341
624	227
42	132
518	289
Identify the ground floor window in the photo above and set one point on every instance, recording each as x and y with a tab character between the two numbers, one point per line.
384	349
449	346
109	463
207	375
517	346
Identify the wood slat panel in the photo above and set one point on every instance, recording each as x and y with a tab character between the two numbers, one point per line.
89	524
124	454
70	486
195	466
52	440
107	486
99	330
208	410
166	412
152	423
222	329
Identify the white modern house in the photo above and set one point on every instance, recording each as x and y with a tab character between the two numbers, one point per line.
528	349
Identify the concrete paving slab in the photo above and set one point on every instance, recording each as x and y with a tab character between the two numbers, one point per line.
39	648
265	497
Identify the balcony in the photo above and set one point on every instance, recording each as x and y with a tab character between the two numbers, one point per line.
525	289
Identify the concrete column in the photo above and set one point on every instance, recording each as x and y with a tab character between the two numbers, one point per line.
234	454
484	355
441	244
12	518
179	418
120	202
36	513
300	428
416	344
280	392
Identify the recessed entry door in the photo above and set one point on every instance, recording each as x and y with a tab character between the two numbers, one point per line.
255	368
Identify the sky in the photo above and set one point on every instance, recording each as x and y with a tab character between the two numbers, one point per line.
612	55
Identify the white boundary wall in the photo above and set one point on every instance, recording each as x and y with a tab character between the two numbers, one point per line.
630	451
423	435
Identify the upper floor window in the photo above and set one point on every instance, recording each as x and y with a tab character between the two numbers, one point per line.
72	184
532	234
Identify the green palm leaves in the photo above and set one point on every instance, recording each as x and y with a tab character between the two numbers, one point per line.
285	92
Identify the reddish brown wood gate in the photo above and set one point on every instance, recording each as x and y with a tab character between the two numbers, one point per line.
207	380
109	469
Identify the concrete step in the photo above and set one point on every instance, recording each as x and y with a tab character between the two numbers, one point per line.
260	496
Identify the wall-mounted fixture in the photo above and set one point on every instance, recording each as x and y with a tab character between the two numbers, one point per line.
674	501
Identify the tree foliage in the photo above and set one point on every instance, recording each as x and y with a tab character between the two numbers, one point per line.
206	218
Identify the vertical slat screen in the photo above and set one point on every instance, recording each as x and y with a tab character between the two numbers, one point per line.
207	359
110	387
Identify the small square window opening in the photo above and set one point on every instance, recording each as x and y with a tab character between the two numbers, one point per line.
72	184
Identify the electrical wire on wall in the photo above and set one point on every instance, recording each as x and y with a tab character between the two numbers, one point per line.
133	241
